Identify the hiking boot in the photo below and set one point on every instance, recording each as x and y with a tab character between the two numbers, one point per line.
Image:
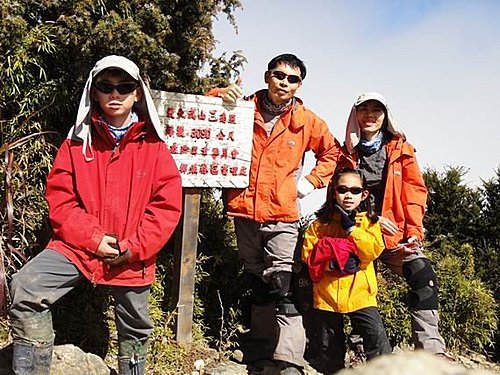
289	369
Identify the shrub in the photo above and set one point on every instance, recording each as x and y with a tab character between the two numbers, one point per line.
467	307
468	312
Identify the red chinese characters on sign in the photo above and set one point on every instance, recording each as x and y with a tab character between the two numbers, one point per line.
214	169
216	153
209	141
191	114
185	133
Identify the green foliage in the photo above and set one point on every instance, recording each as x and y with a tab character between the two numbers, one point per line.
25	96
391	292
464	221
468	316
46	52
58	42
488	242
221	291
461	233
454	209
467	307
165	356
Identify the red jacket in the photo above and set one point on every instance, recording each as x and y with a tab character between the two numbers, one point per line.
133	192
405	193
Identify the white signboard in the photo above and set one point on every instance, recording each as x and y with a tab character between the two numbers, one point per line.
211	142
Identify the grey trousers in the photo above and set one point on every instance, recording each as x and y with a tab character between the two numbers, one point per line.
424	323
266	248
50	275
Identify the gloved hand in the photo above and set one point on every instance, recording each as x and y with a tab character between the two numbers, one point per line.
411	245
120	259
231	93
304	187
346	218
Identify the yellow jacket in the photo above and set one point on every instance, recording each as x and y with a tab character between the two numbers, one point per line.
351	292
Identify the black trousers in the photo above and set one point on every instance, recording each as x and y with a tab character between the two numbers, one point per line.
366	322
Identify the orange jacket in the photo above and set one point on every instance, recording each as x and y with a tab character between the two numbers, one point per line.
405	193
276	162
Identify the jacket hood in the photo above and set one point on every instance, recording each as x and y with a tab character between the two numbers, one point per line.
353	131
81	129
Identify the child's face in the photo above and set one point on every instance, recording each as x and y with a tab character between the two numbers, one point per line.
349	192
116	106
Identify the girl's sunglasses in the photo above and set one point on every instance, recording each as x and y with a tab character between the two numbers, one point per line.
122	88
355	190
280	76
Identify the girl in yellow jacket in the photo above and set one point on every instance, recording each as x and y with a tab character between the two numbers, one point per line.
339	249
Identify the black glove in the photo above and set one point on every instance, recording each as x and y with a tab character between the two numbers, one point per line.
120	259
346	218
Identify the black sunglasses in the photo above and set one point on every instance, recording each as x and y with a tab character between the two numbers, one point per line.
292	78
355	190
122	88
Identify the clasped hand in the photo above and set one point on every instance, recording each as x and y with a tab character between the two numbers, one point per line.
109	251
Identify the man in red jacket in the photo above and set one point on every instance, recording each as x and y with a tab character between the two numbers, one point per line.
266	212
114	196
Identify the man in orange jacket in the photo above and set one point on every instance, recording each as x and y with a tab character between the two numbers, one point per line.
266	212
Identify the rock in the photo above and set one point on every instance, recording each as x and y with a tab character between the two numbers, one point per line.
416	362
66	360
237	356
403	362
71	360
230	368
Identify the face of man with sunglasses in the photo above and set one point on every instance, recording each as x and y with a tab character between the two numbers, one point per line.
116	92
349	192
282	83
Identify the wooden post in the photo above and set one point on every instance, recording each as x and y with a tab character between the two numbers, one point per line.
211	143
186	261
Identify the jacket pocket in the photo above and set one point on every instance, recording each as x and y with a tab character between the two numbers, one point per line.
371	282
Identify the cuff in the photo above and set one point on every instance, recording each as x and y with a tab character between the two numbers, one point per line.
304	187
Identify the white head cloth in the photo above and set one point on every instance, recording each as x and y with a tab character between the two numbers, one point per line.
353	131
81	129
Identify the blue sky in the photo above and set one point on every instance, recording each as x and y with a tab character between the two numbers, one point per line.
436	62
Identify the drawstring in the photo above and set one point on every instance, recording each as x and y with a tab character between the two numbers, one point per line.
134	364
87	142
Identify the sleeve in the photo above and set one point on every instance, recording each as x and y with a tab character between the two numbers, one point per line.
368	239
214	92
310	240
326	150
70	222
413	195
161	215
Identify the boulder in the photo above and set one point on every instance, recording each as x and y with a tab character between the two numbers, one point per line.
71	360
66	360
416	362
